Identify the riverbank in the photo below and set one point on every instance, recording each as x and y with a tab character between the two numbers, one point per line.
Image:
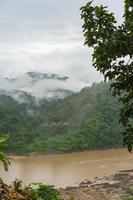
10	155
113	187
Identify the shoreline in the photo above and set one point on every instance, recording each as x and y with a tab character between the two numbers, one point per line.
59	153
110	187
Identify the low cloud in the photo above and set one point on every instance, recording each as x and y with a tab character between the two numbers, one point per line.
45	88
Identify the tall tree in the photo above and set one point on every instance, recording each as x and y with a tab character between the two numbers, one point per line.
113	55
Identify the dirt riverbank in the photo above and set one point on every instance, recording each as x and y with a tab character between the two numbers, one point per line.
106	188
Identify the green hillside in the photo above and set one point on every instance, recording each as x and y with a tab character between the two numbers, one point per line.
86	120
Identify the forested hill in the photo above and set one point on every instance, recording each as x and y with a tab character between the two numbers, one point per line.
84	121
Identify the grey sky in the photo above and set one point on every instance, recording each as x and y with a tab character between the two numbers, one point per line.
46	36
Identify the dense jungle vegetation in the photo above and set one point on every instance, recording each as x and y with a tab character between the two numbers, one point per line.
84	121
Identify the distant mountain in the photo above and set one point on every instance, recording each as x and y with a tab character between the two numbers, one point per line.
39	85
36	76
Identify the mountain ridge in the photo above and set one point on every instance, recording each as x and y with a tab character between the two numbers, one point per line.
40	85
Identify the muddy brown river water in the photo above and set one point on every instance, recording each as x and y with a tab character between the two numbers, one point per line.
67	169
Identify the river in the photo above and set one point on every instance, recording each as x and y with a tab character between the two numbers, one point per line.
67	169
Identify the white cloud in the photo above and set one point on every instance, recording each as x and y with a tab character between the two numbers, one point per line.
46	36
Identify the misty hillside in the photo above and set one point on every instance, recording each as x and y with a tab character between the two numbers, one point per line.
84	120
39	86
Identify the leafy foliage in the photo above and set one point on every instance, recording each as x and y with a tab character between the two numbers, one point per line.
113	55
3	157
17	184
129	195
86	120
36	191
44	192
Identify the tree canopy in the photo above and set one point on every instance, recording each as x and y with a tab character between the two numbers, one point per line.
113	55
87	120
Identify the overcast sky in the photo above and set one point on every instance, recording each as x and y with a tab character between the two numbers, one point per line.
46	36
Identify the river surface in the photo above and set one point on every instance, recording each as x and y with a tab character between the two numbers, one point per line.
67	169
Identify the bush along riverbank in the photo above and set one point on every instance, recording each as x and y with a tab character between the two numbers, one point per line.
35	191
